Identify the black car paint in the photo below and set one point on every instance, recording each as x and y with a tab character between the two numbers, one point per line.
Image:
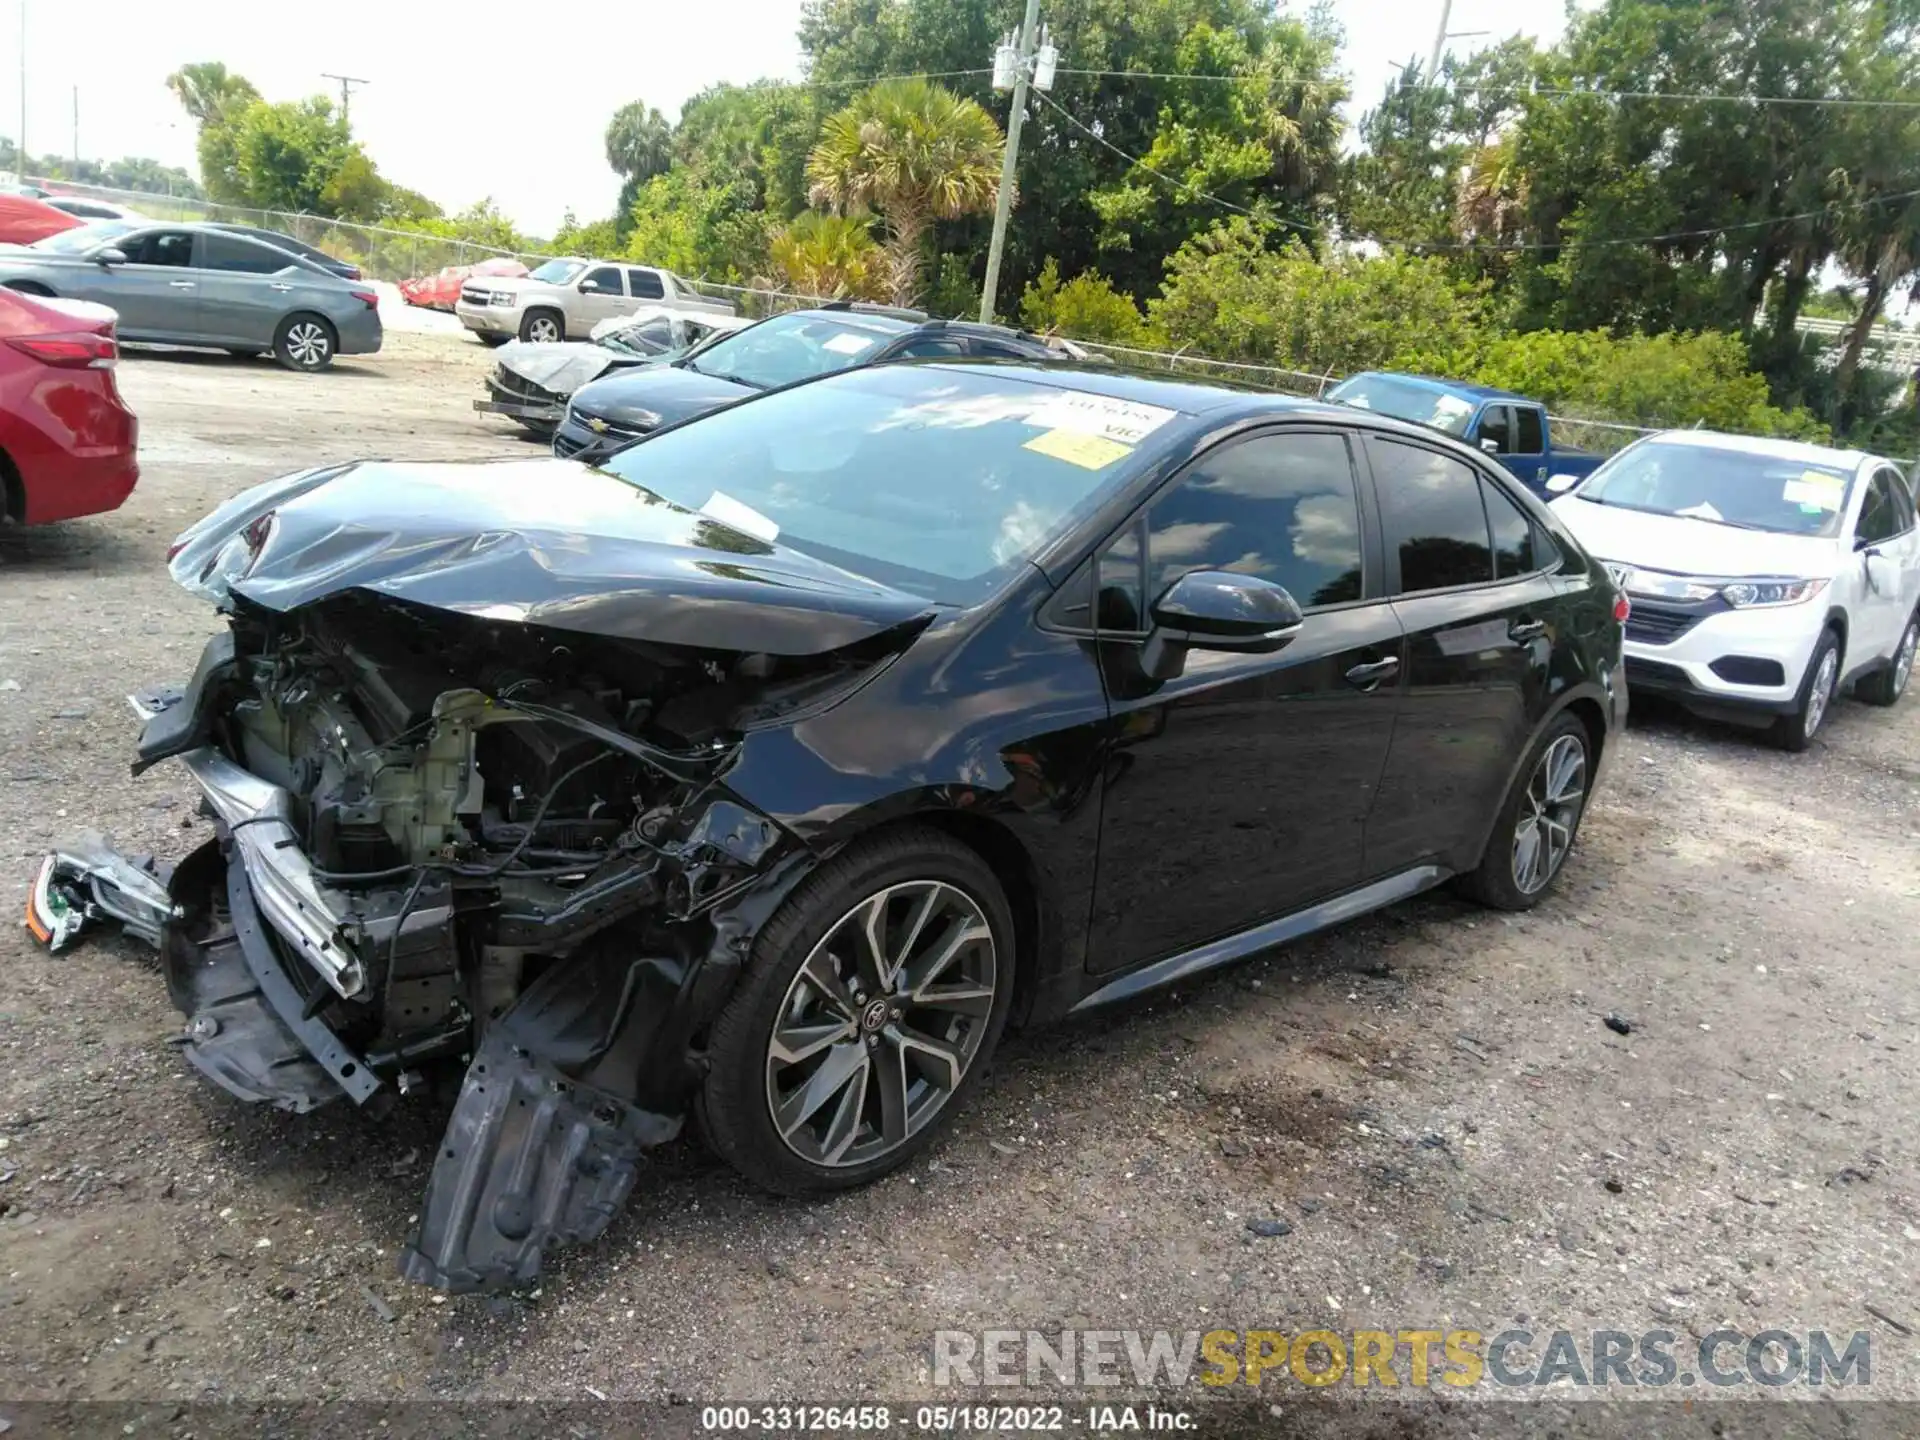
1144	829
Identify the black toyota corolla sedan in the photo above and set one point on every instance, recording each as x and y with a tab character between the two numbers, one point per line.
770	770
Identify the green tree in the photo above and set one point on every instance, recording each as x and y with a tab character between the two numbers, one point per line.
210	92
830	255
287	154
1087	307
914	152
639	142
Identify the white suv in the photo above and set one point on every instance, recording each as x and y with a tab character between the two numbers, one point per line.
564	299
1765	575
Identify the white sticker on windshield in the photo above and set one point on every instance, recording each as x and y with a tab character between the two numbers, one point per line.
1702	511
744	518
1122	420
847	343
1816	488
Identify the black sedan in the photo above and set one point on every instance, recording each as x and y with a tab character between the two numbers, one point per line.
771	769
799	345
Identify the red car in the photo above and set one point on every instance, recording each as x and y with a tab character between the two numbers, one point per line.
24	220
67	439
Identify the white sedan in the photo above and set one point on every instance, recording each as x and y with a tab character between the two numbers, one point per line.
1766	576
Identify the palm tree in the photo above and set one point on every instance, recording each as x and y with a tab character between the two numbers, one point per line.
1882	245
915	152
830	255
639	142
209	91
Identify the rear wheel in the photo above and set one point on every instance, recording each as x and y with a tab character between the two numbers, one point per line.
873	1002
1888	685
1795	731
1538	821
305	341
543	326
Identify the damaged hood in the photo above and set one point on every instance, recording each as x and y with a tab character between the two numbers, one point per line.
536	542
563	366
653	395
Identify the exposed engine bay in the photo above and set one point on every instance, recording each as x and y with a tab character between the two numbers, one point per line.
447	841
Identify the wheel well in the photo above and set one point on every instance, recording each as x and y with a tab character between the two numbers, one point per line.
30	287
1837	622
1008	860
1588	712
13	491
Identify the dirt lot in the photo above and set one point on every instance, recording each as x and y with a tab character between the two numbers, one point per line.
1428	1098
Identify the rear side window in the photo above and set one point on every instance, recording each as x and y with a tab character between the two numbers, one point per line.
1529	431
238	256
645	285
1432	515
1513	535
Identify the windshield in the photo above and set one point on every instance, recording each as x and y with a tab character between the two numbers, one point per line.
556	272
1405	400
787	348
1727	487
932	480
83	238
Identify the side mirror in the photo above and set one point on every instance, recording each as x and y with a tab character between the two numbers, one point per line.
1560	484
110	255
1882	577
1492	447
1217	610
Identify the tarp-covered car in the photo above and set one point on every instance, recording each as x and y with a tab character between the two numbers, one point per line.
532	380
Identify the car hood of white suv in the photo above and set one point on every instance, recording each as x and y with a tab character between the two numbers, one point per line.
1681	545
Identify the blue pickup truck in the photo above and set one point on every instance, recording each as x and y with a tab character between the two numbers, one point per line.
1510	428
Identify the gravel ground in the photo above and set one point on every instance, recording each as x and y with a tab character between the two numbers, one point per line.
1428	1099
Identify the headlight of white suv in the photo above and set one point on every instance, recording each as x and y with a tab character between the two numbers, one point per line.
505	297
1755	594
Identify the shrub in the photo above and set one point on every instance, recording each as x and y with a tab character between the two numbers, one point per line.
1087	307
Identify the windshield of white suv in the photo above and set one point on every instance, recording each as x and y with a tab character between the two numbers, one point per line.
1405	400
556	272
1725	487
787	348
938	481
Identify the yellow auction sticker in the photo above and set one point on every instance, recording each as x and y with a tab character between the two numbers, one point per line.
1089	452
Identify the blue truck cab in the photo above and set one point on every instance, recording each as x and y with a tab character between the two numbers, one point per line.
1513	430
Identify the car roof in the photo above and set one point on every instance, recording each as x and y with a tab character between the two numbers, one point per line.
1442	386
1769	447
1189	397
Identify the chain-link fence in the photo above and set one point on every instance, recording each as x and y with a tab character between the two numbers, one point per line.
380	252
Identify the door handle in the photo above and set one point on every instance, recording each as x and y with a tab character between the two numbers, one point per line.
1366	677
1526	629
278	286
180	284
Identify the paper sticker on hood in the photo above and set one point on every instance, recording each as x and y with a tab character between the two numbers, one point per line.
541	542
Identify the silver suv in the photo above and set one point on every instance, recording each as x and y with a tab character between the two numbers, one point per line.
564	299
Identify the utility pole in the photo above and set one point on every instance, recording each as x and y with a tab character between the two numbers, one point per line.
1026	62
76	129
347	82
1439	42
20	150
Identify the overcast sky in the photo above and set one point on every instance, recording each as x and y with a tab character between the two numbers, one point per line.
487	98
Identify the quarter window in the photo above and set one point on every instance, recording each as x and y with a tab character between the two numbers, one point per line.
1435	523
1282	507
645	285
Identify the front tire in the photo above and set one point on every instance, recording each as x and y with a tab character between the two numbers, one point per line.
1538	821
305	342
1886	686
1819	687
543	326
489	339
873	1002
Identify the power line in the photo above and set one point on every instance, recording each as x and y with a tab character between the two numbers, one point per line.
877	79
1470	245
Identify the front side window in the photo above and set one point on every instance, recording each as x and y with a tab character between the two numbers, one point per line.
1902	501
1431	511
603	281
1879	520
1282	507
1748	490
159	247
1496	425
926	346
941	482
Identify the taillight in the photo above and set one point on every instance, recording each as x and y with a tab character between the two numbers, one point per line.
368	298
83	350
1622	607
174	549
